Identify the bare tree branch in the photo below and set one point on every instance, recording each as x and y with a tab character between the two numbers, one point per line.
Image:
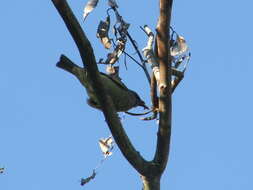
140	56
150	171
111	117
164	131
154	98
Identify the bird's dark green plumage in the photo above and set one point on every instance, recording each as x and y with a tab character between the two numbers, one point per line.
122	97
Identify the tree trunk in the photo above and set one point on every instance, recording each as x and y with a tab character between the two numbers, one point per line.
151	183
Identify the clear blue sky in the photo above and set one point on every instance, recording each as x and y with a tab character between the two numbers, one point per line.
48	135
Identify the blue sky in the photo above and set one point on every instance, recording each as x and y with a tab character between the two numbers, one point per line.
49	135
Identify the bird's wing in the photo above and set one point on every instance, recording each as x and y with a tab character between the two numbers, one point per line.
117	82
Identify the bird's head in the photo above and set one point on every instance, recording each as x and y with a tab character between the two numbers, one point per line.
139	101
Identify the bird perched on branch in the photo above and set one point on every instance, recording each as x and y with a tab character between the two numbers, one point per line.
122	97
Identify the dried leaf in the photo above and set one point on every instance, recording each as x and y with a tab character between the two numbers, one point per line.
156	74
106	145
180	52
114	56
179	46
148	50
1	170
91	4
112	4
102	32
88	179
150	37
123	28
113	71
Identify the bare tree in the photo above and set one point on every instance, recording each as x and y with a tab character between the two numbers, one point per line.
150	171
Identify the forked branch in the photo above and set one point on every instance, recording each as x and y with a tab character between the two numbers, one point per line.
89	61
150	171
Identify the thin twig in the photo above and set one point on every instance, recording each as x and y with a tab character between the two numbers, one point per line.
125	32
140	57
143	30
154	99
138	114
133	59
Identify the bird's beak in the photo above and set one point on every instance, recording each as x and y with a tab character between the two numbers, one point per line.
144	105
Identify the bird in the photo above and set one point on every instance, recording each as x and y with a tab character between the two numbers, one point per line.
122	97
90	5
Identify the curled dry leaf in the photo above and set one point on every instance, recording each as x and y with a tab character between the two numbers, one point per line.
156	73
90	5
148	50
88	179
114	56
113	4
113	71
150	35
102	32
180	53
1	170
106	145
120	26
179	47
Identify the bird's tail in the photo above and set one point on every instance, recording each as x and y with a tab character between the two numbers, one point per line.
67	65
